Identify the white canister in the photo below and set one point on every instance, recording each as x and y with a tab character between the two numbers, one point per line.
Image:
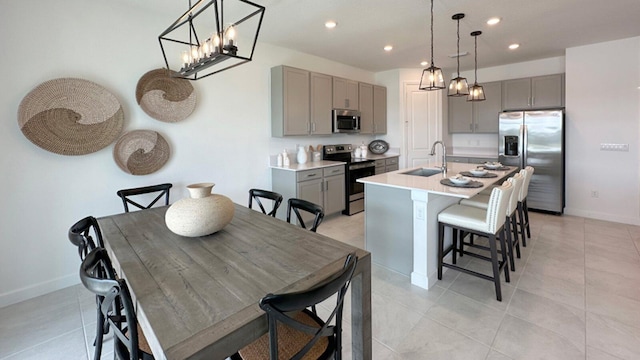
302	155
357	152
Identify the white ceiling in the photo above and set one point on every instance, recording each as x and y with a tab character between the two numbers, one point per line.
543	28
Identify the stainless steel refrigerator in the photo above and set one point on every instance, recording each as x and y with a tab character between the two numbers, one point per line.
536	138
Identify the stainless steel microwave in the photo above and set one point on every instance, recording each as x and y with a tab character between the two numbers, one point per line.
346	121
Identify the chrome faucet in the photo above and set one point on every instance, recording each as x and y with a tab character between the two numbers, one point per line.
444	155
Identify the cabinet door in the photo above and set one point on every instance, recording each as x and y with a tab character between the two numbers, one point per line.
366	108
379	109
321	103
485	113
334	194
460	115
311	191
547	91
339	93
352	95
516	94
295	101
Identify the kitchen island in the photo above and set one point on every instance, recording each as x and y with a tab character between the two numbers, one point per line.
401	218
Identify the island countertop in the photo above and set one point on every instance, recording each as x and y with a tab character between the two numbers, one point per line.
397	179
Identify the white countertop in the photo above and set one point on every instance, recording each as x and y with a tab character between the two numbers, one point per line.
308	165
432	184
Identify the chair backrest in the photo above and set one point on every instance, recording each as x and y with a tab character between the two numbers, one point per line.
80	236
298	204
256	194
283	308
527	172
497	207
115	302
516	180
163	190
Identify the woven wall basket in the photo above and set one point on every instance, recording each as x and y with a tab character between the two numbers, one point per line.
165	98
70	116
141	152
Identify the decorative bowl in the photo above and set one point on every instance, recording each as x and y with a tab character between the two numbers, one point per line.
459	180
492	165
478	172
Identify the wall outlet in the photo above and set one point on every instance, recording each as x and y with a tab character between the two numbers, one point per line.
594	194
614	147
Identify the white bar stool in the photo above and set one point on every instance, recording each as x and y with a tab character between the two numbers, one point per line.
523	210
489	223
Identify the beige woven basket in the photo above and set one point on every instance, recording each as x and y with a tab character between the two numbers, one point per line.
141	152
70	116
165	98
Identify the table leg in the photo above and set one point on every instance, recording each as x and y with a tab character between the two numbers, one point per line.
361	310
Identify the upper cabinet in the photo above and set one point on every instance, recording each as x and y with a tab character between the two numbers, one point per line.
301	102
345	94
373	109
533	93
476	116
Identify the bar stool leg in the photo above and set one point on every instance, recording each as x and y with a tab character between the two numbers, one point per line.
496	268
526	217
507	231
440	248
503	248
521	222
454	244
514	226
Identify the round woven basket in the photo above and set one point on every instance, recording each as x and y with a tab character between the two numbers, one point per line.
141	152
70	116
165	98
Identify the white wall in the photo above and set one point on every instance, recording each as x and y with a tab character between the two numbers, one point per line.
226	140
603	106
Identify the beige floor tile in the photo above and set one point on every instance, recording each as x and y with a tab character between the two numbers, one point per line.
557	289
430	340
606	228
467	316
597	354
391	321
620	284
613	337
562	319
494	355
570	269
520	339
611	263
613	244
482	291
620	308
398	287
67	346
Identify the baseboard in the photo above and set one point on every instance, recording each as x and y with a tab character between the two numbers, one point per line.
36	290
602	216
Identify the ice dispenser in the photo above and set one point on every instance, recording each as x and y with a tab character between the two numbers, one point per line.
511	145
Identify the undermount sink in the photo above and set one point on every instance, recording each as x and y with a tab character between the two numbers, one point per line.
423	172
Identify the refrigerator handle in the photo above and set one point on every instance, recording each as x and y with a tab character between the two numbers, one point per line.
525	144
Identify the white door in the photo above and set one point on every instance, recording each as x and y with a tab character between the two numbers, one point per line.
422	126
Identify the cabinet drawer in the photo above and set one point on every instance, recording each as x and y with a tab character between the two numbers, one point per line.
379	170
391	161
380	162
334	170
308	175
391	168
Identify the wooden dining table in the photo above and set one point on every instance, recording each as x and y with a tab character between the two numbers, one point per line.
197	298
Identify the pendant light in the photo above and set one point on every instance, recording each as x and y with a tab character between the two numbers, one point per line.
458	86
432	78
477	92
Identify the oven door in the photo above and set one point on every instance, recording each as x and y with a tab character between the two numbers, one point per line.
357	171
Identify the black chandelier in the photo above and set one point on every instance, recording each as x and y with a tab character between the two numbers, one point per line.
432	78
458	86
231	36
476	93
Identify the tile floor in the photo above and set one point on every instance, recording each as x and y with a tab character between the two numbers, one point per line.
575	295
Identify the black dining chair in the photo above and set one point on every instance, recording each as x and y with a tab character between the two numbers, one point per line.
117	307
299	204
162	189
80	235
257	194
295	332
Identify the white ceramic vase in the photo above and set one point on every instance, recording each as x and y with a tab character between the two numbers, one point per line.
202	214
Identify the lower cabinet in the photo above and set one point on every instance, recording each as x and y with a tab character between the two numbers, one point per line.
322	186
386	165
470	160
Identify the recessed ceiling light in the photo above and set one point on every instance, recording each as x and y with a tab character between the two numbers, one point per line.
388	48
514	46
493	21
330	24
424	63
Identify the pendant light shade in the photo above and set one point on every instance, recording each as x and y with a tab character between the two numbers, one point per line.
477	92
458	86
432	78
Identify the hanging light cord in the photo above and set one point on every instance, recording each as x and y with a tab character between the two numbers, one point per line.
458	57
431	34
475	80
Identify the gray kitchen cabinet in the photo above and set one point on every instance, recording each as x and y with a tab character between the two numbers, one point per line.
345	94
373	109
290	102
470	160
533	93
386	165
321	103
380	166
379	109
476	116
365	96
322	186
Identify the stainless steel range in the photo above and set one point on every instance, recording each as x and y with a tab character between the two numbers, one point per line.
356	168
